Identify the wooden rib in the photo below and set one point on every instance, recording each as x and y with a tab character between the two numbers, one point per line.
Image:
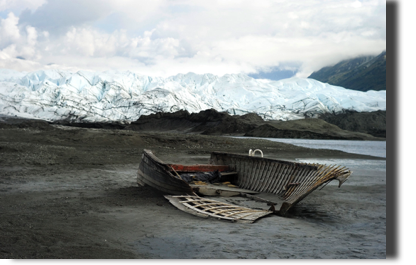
210	214
333	173
243	174
324	177
202	203
275	176
219	207
288	192
298	174
272	176
247	215
321	179
259	176
200	199
206	205
209	208
301	178
289	179
294	174
310	177
318	181
235	211
198	168
250	170
251	173
267	177
239	212
284	179
254	175
246	174
313	179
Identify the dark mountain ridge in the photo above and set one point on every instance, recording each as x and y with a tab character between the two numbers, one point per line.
362	73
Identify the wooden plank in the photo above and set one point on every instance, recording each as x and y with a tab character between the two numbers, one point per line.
307	182
163	186
274	175
259	176
216	190
199	168
253	174
308	185
242	214
243	174
256	198
297	178
281	178
247	216
268	177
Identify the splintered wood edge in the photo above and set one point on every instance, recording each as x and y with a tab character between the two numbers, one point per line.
252	216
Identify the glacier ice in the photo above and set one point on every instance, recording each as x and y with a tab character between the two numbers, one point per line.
124	96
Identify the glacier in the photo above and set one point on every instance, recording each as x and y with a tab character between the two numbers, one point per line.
114	96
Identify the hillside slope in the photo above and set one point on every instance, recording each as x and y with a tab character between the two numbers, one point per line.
362	73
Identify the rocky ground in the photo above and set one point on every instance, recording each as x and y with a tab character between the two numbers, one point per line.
70	192
346	126
373	123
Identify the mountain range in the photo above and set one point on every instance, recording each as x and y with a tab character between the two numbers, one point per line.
362	73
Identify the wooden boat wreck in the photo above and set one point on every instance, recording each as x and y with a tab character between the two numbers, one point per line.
204	207
230	174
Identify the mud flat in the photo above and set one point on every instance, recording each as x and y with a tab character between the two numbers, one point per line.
68	192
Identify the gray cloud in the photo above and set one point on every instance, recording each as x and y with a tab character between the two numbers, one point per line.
166	37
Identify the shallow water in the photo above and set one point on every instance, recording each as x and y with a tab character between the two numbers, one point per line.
373	148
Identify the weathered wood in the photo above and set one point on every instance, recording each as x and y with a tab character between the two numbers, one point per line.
214	190
202	207
228	173
291	181
155	173
257	199
199	168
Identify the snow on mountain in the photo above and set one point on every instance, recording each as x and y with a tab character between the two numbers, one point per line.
124	96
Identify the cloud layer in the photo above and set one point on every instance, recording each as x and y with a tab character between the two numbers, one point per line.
164	37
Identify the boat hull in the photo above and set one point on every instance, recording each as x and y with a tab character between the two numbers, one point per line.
291	181
155	173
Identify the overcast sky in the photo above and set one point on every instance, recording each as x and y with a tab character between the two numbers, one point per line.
163	38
